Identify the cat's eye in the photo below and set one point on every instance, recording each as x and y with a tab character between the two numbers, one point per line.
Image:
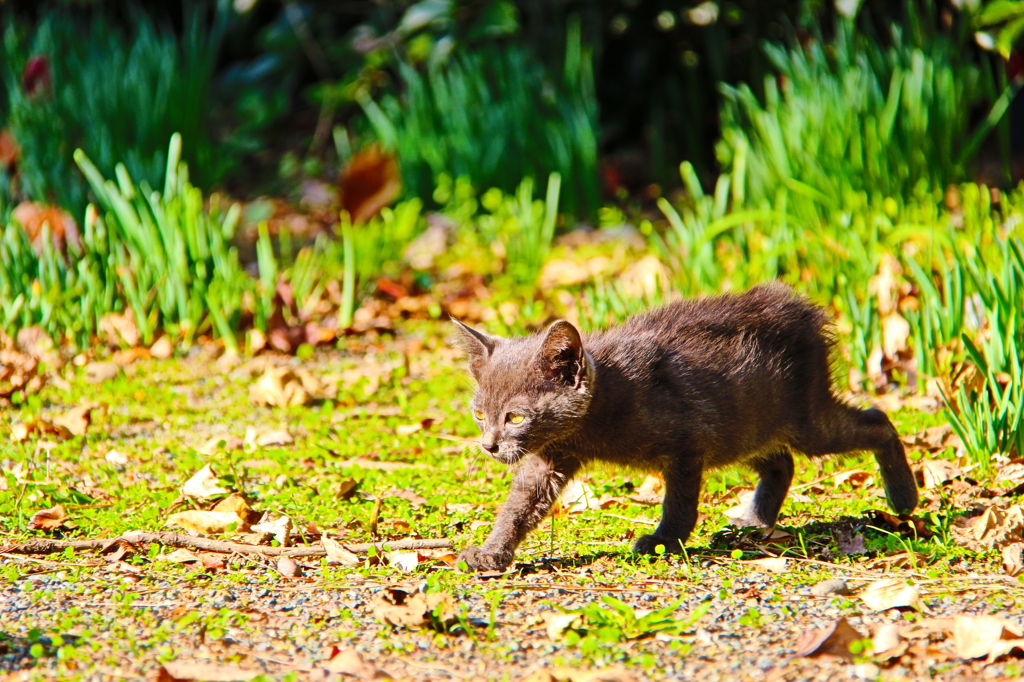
514	418
479	415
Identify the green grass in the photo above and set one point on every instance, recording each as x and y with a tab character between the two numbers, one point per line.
495	115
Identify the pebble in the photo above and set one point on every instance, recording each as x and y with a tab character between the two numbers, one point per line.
827	588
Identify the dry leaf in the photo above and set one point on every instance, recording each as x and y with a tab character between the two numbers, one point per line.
126	357
100	372
21	432
119	329
992	636
832	640
17	373
577	496
771	565
403	561
206	522
337	554
33	216
180	556
651	491
235	502
1013	558
400	608
204	484
36	343
116	457
892	594
556	623
413	498
886	641
933	439
827	588
274	437
213	562
369	181
280	528
76	420
349	663
851	544
279	387
742	514
936	472
48	519
565	674
9	151
209	672
994	528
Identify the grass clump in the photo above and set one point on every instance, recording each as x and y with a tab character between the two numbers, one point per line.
853	118
495	115
116	94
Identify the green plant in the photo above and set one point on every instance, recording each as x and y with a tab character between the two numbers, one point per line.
612	620
852	118
173	260
496	115
163	85
989	414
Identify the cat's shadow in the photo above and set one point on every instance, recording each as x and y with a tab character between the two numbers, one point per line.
821	540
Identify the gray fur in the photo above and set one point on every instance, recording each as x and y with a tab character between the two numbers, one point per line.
691	386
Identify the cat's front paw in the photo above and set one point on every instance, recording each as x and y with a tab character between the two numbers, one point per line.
648	544
479	560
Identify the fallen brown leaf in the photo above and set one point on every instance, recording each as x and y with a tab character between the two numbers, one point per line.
76	420
337	554
991	636
206	522
48	519
204	484
412	497
832	640
1013	558
172	671
130	355
995	528
892	594
348	663
414	610
100	372
281	387
280	528
368	182
34	217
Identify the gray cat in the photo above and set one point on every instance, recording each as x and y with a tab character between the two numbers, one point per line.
691	386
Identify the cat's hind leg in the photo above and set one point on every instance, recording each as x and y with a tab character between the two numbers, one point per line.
679	508
776	472
845	429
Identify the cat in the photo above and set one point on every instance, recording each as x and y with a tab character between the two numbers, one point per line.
688	387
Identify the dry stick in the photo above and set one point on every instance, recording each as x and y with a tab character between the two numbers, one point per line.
47	546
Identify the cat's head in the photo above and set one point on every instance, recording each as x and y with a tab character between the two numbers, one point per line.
530	391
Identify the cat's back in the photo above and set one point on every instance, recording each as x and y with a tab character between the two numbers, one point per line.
767	319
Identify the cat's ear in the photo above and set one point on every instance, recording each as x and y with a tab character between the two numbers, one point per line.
562	357
478	345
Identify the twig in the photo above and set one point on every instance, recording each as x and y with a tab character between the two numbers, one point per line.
47	546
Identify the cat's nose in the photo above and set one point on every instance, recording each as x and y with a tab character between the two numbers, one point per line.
491	447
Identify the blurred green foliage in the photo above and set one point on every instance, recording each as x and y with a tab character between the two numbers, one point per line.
117	94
